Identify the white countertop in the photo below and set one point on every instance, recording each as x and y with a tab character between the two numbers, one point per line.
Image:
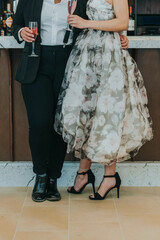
134	42
144	42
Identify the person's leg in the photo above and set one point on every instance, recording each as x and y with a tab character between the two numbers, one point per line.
57	155
58	147
38	98
109	182
81	180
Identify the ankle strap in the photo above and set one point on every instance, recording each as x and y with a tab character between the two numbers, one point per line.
108	176
83	173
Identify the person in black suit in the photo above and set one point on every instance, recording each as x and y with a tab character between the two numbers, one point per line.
41	79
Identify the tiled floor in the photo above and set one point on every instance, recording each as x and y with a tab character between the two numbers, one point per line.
135	216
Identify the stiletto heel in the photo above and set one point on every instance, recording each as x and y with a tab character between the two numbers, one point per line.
91	179
97	196
118	191
93	185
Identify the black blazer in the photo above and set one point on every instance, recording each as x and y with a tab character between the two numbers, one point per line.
30	10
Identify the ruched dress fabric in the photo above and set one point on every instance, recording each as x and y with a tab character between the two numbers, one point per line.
102	110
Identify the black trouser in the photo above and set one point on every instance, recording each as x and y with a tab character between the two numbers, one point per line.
40	97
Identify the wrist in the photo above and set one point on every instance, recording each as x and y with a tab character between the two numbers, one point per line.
89	23
19	34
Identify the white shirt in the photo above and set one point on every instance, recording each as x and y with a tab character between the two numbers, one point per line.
53	23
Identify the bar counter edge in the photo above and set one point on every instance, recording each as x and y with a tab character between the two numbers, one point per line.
135	42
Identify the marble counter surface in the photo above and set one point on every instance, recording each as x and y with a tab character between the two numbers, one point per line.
9	43
135	42
137	174
144	42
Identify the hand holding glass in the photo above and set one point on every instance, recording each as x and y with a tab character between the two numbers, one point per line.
71	8
34	27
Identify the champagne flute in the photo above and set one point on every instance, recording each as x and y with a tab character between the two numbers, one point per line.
34	27
71	8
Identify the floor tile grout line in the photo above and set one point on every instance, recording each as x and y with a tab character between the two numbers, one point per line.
69	204
20	213
41	231
121	230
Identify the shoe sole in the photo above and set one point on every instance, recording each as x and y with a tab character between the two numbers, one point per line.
53	199
38	201
94	199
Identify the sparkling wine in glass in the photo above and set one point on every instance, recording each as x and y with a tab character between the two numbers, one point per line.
71	8
34	27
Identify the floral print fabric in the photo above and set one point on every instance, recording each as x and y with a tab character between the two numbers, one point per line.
102	109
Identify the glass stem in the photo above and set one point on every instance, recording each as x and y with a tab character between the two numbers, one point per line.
33	47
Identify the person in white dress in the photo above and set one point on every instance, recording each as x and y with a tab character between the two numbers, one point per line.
102	110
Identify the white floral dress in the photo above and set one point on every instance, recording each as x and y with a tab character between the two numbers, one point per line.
102	110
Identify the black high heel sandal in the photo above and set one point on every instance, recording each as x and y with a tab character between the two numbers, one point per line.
91	180
97	196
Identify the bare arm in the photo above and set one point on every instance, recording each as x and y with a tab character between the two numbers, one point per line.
119	23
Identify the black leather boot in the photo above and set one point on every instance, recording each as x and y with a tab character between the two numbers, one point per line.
52	191
39	190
